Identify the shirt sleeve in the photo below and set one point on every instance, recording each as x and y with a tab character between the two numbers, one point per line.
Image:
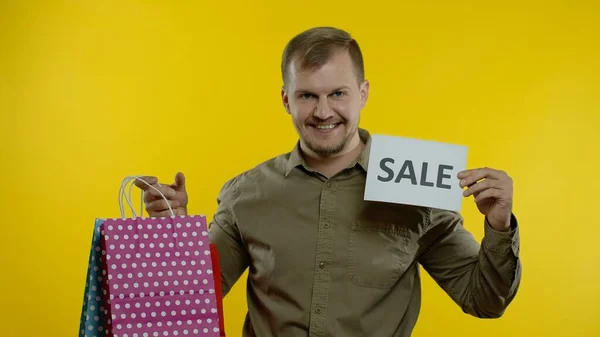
225	235
481	278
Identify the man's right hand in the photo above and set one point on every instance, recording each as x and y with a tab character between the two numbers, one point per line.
176	194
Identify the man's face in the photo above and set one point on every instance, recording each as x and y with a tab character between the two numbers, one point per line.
325	104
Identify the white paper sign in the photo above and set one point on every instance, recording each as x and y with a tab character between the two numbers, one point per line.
415	172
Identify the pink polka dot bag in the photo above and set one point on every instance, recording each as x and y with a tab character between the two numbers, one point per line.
151	277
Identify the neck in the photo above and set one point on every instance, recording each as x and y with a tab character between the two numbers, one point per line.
331	165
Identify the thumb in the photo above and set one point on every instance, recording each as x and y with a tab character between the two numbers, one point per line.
179	182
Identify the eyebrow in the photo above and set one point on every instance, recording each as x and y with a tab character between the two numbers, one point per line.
302	91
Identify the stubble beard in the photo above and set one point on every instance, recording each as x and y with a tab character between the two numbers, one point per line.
331	150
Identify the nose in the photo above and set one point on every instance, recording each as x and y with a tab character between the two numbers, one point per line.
323	110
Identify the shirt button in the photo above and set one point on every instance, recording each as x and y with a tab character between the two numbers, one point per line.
326	225
321	265
318	310
327	185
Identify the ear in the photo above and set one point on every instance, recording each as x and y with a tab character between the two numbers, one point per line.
364	93
285	99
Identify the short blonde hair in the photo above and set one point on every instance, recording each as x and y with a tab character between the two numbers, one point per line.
314	47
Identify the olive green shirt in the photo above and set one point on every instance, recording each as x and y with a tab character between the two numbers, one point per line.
324	262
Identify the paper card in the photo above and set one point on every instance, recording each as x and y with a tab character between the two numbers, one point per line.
415	172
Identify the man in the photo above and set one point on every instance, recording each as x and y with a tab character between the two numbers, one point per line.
324	262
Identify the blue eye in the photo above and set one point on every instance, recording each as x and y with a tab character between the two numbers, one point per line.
338	94
306	96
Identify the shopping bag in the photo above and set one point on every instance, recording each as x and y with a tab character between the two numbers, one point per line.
159	278
94	322
214	255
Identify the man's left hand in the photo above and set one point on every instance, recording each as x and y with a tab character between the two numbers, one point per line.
493	192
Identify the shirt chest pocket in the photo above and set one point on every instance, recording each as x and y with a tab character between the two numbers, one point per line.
378	253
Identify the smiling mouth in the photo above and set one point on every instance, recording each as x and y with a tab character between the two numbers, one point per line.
326	127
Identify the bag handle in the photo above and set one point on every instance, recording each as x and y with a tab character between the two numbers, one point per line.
131	179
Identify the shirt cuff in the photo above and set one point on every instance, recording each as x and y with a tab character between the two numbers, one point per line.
502	242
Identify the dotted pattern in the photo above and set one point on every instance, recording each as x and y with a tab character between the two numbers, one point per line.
95	309
159	278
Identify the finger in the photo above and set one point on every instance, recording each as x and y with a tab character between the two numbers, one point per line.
162	213
487	194
480	186
179	182
153	194
167	212
469	177
161	205
142	185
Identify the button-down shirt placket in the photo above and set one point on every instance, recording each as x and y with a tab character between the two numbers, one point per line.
323	257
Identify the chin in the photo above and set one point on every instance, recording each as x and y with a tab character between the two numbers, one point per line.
326	149
325	142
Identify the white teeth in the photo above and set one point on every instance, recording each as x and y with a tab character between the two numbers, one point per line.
326	126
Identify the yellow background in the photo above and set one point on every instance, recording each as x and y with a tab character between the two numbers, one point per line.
92	91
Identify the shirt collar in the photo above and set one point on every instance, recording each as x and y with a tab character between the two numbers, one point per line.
296	159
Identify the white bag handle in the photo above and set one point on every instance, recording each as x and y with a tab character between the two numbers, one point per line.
131	179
